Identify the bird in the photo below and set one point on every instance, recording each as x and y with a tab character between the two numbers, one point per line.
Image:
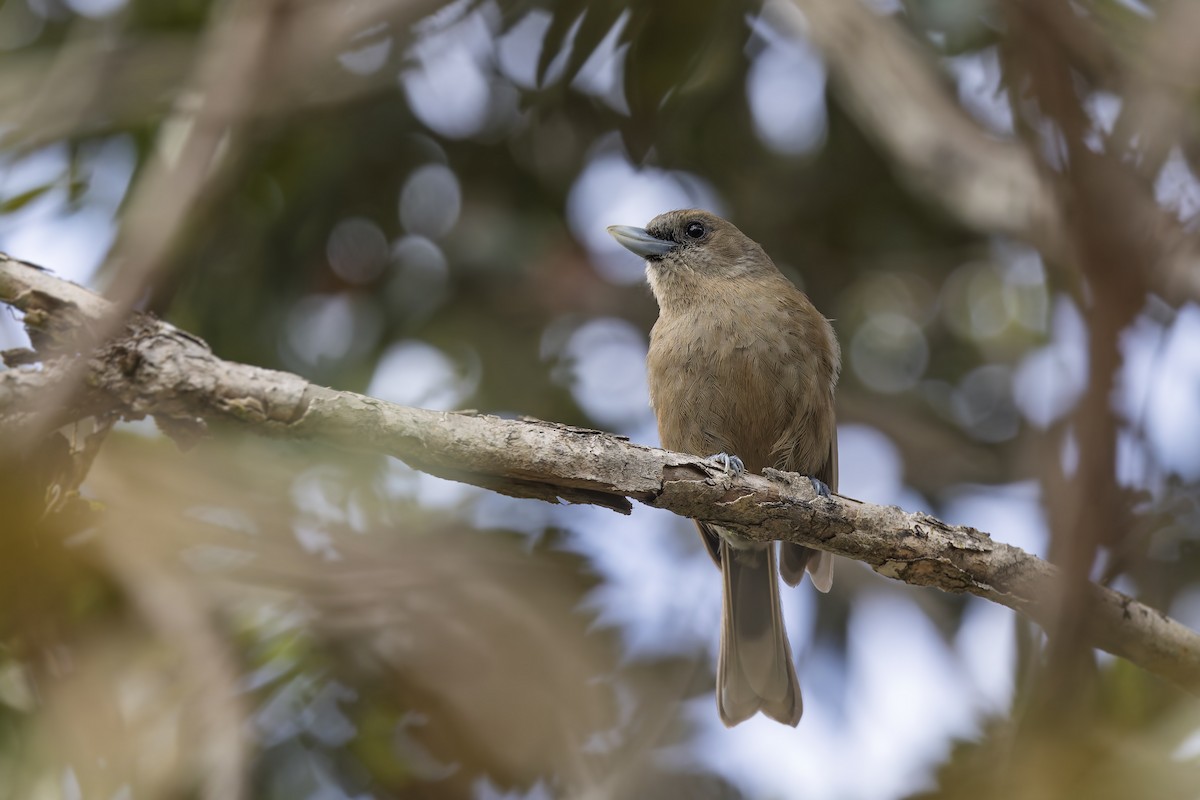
742	369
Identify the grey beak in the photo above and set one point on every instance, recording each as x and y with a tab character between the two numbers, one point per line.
639	241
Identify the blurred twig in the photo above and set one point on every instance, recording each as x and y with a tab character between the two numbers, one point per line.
253	60
255	57
897	96
93	84
180	614
1159	87
894	92
1115	226
158	370
236	62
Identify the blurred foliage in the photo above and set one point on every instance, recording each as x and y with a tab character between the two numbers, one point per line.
381	647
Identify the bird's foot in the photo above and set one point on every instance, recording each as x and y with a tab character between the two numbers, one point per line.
820	488
730	464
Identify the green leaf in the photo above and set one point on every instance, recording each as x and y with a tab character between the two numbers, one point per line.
77	188
17	202
558	35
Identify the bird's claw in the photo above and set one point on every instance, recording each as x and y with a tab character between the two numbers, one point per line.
820	488
728	463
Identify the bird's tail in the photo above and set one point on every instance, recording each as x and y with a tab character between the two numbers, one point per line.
795	559
754	669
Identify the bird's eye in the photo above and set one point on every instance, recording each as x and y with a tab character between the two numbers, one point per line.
694	230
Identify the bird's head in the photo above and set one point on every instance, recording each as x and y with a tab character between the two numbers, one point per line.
688	249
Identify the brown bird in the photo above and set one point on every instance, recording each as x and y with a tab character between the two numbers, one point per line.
741	365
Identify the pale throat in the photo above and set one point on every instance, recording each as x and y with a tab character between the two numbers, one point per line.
680	287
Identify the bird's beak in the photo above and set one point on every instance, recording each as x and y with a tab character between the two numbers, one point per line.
639	240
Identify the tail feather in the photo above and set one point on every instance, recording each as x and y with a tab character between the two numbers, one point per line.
797	558
754	670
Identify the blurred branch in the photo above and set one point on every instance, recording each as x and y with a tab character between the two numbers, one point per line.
898	97
179	612
1113	221
252	59
156	369
1156	113
198	142
93	84
890	87
88	84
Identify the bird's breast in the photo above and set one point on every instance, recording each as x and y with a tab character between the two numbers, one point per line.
738	382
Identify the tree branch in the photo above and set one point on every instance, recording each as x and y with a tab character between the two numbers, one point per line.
156	369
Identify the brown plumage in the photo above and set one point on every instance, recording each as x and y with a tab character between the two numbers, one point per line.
741	363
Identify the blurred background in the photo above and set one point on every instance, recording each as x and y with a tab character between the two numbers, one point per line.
408	198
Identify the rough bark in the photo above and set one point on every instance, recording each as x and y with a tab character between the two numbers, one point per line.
156	369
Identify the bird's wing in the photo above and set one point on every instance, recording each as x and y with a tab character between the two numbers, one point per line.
795	559
830	473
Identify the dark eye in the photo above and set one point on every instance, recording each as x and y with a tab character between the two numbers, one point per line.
694	230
